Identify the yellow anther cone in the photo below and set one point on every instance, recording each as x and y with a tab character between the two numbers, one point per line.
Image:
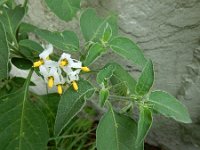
37	63
59	88
50	82
75	85
63	62
85	69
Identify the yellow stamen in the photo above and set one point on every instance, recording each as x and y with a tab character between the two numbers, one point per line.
59	88
38	63
75	85
63	62
85	69
50	82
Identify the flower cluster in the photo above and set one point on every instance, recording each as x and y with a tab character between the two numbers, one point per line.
52	71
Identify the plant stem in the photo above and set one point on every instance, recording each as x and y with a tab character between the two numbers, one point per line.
120	97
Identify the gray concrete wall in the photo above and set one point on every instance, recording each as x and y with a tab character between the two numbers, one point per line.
169	33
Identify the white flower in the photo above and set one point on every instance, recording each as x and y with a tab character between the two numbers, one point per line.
52	73
73	76
44	56
67	63
47	51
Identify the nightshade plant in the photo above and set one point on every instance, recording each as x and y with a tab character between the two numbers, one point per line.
32	122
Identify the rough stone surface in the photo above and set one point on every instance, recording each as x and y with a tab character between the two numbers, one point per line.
169	33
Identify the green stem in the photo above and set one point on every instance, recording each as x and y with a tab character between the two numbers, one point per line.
28	80
120	97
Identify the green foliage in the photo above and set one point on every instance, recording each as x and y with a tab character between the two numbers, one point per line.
26	28
53	121
19	81
107	34
66	40
93	27
169	106
129	50
64	9
4	53
144	124
105	73
73	102
30	49
103	96
116	132
94	52
146	79
121	76
11	19
2	2
26	127
22	63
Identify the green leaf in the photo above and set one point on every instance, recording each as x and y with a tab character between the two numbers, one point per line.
23	125
94	52
2	2
22	63
103	96
116	132
169	106
30	48
26	28
64	9
11	19
129	50
19	81
93	27
105	73
4	53
120	75
146	79
70	104
66	40
107	34
48	104
144	124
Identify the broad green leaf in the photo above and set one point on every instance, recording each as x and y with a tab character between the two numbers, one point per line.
23	31
23	125
4	53
66	40
48	104
129	50
11	19
93	27
94	52
105	73
116	132
22	63
169	106
146	79
19	81
144	124
26	28
70	104
103	96
120	75
64	9
30	48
